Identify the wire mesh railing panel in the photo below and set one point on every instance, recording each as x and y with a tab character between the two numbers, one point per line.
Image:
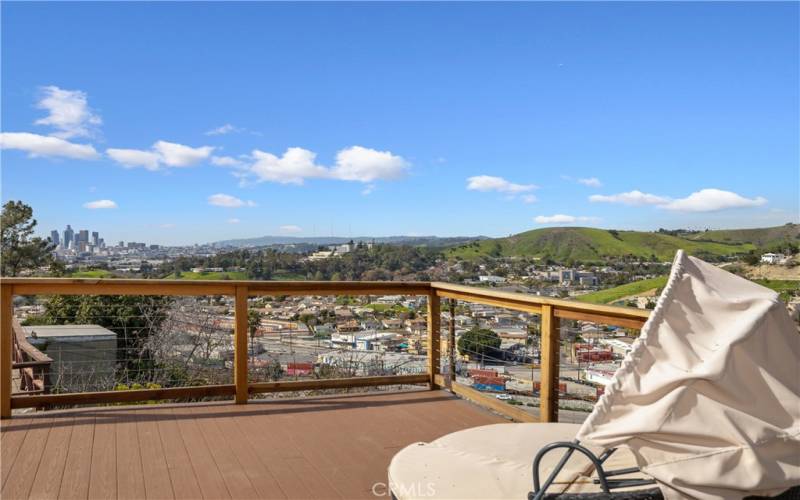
497	351
590	355
118	343
494	350
303	338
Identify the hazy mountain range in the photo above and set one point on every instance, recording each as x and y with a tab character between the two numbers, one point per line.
434	241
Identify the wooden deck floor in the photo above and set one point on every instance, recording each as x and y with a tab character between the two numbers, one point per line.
327	447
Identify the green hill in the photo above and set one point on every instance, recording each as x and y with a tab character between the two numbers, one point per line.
585	244
610	295
786	288
762	237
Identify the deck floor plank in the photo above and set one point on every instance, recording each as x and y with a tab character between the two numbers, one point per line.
319	447
179	467
103	474
157	483
259	474
224	454
78	466
212	485
290	430
274	454
47	482
26	463
130	477
336	463
11	437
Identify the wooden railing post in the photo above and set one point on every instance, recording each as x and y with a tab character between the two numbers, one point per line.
240	354
434	343
550	353
6	348
451	345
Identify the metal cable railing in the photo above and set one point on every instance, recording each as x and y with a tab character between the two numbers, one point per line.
182	340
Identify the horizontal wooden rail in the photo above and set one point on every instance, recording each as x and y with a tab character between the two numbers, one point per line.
86	398
610	315
338	383
26	348
30	364
84	286
488	401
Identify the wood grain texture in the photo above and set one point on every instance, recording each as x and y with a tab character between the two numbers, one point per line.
322	447
551	342
434	338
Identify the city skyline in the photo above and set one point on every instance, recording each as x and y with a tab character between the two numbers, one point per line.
382	125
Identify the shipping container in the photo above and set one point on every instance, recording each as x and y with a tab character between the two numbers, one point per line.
489	387
562	387
473	372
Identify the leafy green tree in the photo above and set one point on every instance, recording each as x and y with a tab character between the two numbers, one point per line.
478	342
310	320
271	370
253	321
20	249
752	258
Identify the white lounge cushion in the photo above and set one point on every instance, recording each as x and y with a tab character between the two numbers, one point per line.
490	462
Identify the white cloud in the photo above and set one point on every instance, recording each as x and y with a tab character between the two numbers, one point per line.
228	201
529	198
492	183
296	165
290	228
226	161
356	163
368	190
167	225
562	219
591	182
711	200
362	164
99	204
634	197
135	158
178	155
224	129
162	154
69	113
234	220
43	145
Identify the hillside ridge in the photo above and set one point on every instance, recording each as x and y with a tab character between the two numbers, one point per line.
585	244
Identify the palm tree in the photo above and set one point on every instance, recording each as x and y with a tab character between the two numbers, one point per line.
253	322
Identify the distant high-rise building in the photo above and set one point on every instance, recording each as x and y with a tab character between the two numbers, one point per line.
121	244
54	237
83	236
69	236
95	238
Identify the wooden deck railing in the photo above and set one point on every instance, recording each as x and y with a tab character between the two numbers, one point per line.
33	364
551	311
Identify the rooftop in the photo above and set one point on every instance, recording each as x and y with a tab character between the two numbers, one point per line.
61	331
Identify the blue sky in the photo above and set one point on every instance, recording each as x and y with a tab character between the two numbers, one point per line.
191	122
